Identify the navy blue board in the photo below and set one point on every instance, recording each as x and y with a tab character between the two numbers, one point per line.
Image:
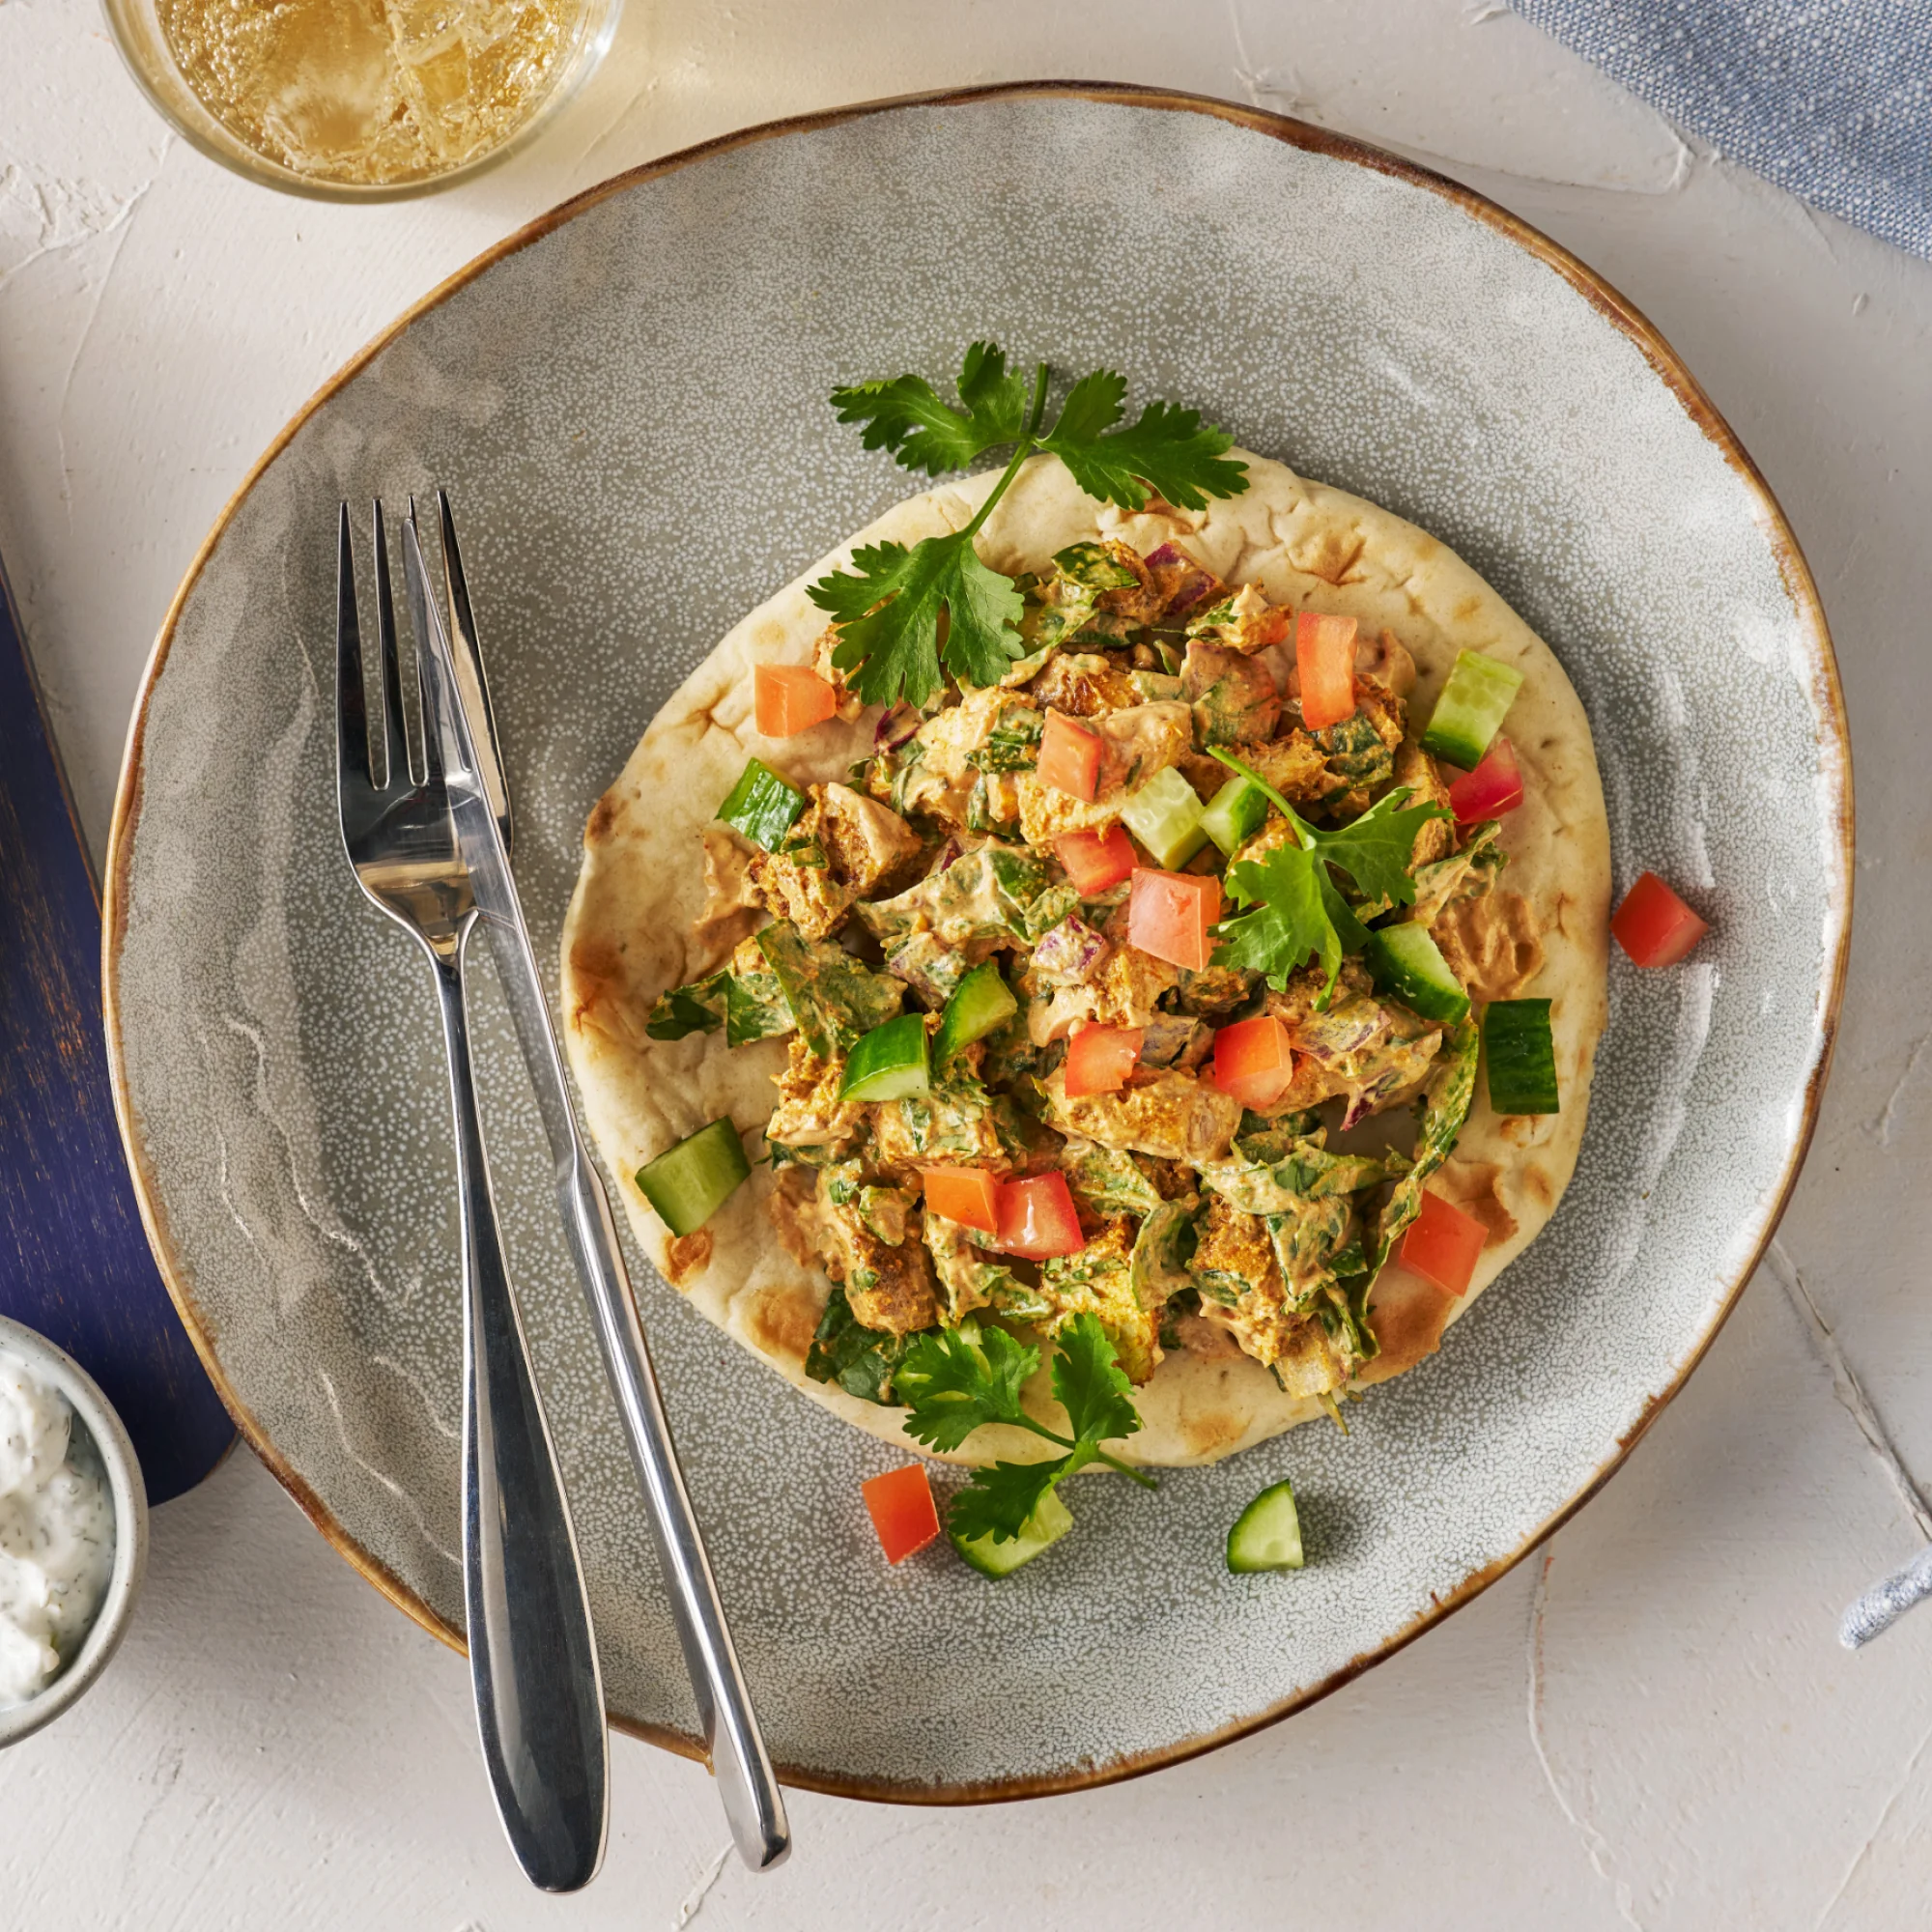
74	1262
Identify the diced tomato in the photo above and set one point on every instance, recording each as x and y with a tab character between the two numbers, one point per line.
1654	926
790	699
1037	1218
1443	1244
1253	1060
1099	1059
903	1509
968	1195
1325	659
1096	860
1069	758
1170	914
1493	788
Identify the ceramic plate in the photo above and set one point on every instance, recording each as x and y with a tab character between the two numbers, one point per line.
627	403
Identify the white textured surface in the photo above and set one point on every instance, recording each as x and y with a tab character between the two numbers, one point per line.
1655	1727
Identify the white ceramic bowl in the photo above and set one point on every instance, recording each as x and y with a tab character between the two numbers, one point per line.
93	1413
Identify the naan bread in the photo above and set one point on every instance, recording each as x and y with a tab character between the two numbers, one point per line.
628	936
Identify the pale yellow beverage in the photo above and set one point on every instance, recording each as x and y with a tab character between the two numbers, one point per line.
368	92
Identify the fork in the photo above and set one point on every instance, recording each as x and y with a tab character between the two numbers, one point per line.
532	1658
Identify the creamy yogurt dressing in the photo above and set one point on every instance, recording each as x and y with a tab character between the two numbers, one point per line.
56	1533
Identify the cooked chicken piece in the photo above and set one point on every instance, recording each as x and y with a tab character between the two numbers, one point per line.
1241	1291
872	1244
1232	695
1171	1115
1358	754
1374	1055
730	901
1121	993
1493	943
1099	1281
1135	744
1083	685
797	882
1247	622
951	1127
871	848
970	1278
941	778
1416	769
810	1112
1292	765
850	703
1384	658
1215	990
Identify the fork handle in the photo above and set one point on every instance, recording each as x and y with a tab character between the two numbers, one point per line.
533	1658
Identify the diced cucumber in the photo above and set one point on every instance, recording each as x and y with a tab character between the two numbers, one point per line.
1165	815
1235	815
1470	709
980	1002
1049	1522
1521	1057
688	1184
762	806
1267	1534
1405	962
890	1064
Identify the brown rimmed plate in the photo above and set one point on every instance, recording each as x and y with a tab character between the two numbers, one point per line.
626	401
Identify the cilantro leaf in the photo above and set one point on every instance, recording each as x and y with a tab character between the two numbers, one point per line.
1289	920
1089	1383
888	608
955	1379
1167	448
1375	849
1000	1499
907	417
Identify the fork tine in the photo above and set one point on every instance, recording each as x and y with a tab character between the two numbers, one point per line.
351	712
395	733
416	588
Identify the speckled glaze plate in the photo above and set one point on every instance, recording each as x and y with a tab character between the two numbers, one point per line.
626	402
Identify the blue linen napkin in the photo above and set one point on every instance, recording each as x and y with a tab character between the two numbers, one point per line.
1830	98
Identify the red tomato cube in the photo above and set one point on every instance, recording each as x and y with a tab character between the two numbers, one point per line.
903	1509
1171	913
1069	758
1493	788
1253	1060
968	1195
1099	1059
1037	1218
1443	1244
1654	926
1325	661
789	699
1096	860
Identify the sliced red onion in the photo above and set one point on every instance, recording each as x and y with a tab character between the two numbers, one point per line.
1327	1038
1070	952
895	726
1166	554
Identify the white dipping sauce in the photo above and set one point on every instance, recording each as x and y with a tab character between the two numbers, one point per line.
56	1534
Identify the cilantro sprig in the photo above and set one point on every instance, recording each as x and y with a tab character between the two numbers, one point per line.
1295	911
889	605
955	1381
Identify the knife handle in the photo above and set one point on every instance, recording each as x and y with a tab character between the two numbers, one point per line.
739	1761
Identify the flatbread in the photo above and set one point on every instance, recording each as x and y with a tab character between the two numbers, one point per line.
627	938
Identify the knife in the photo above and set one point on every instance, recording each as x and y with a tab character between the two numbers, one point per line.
739	1761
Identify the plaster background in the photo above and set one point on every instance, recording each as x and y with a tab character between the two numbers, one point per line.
1649	1724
